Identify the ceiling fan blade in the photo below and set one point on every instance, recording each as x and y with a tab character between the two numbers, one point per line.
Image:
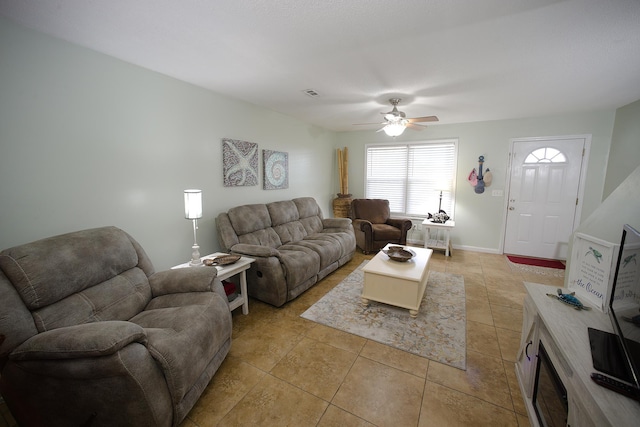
415	127
423	119
366	124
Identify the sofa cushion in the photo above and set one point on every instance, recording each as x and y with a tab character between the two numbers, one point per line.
80	277
307	207
249	218
118	298
312	224
48	270
341	231
185	338
299	263
327	248
290	232
178	300
79	341
267	237
310	214
282	212
284	218
14	317
226	234
385	232
376	211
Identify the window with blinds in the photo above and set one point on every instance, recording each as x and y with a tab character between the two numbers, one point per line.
412	175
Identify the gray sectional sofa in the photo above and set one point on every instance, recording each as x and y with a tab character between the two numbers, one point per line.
293	245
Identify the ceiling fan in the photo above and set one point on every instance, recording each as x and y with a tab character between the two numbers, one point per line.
396	121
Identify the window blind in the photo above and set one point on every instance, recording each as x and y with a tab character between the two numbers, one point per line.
411	176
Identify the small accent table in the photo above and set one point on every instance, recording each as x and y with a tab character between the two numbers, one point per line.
437	243
224	272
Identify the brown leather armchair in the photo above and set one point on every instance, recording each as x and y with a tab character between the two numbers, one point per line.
374	227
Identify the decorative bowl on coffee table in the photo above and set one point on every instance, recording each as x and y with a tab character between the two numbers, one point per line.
399	253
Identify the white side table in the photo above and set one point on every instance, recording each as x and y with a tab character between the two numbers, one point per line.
224	272
434	241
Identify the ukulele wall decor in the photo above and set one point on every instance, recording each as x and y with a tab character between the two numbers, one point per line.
478	180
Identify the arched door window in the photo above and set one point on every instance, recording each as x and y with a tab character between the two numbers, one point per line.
546	155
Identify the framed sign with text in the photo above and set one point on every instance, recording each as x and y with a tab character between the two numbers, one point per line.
592	270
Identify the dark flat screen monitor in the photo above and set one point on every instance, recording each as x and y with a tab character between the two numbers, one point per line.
624	305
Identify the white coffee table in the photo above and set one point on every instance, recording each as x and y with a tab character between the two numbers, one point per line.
401	284
224	272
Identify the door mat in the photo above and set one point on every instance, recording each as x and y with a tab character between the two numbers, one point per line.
537	262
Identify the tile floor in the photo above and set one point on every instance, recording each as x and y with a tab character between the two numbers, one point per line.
283	370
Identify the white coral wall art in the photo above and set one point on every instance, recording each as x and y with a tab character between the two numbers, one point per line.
240	162
276	170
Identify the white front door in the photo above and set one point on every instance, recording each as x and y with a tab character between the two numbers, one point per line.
543	196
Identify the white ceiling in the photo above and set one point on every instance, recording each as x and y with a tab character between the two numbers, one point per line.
462	60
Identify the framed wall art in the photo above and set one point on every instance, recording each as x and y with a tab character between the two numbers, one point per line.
239	163
275	168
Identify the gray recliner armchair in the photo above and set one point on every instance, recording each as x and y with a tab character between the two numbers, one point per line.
95	337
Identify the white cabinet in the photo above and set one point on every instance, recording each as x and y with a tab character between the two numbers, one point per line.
578	416
526	366
563	331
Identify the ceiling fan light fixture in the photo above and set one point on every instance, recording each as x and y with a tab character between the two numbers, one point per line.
395	121
395	129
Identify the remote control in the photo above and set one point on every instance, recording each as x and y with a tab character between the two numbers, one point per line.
617	386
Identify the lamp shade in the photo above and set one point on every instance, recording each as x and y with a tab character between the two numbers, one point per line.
192	204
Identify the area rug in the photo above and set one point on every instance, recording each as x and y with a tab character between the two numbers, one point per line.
437	333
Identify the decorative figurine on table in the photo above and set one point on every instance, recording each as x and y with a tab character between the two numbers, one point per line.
439	218
569	299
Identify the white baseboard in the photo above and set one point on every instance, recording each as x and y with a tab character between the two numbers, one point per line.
477	249
420	243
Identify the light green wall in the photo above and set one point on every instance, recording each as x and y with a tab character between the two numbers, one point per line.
87	140
480	217
625	147
621	195
621	207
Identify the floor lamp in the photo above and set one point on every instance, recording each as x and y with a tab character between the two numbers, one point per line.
193	211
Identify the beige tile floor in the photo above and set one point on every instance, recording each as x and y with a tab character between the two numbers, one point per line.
283	370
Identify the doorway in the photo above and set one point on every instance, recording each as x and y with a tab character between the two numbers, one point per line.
544	195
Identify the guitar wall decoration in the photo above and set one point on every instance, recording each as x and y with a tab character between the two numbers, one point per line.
478	180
